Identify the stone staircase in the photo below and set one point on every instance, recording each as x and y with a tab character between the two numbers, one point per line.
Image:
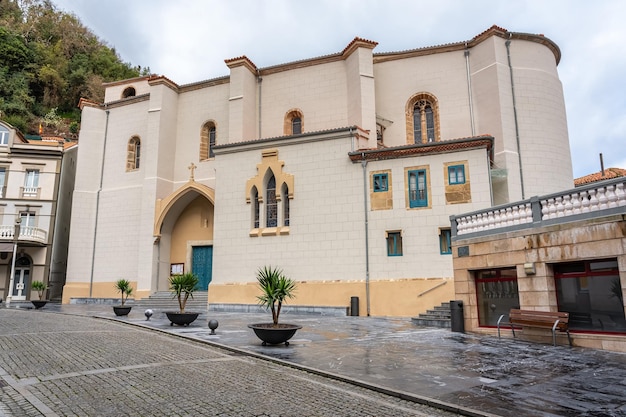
163	300
439	316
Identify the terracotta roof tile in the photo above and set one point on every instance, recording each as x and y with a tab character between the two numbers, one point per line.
599	176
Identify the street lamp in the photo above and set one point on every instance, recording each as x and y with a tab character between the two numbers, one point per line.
16	235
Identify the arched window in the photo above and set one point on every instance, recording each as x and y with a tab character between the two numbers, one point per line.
129	92
294	122
285	200
271	205
208	138
423	120
133	154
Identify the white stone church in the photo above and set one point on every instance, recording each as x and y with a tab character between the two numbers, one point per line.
343	170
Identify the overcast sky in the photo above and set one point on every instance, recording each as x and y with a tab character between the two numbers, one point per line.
188	41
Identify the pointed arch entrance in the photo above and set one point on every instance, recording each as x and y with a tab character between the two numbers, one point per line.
183	231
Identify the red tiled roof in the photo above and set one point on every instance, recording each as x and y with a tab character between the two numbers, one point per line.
422	149
599	176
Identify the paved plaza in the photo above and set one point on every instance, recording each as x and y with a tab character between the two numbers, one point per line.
61	361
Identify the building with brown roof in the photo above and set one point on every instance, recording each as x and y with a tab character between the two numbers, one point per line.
342	169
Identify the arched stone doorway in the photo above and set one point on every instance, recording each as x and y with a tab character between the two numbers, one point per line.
184	234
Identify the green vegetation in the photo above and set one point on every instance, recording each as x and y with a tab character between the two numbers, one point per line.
40	287
123	286
275	289
183	286
49	61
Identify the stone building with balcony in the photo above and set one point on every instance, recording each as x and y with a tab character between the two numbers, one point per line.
342	169
36	179
558	252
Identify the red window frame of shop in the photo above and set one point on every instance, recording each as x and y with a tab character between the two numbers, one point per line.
498	277
587	272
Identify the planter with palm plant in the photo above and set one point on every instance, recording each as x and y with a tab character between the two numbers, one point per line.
182	287
124	287
275	289
41	288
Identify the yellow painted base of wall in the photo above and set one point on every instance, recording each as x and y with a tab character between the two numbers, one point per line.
396	298
99	290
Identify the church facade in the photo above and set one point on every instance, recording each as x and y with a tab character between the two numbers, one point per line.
343	170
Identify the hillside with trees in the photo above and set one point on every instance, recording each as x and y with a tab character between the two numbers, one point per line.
48	61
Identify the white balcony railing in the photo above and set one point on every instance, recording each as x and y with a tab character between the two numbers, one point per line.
27	233
589	201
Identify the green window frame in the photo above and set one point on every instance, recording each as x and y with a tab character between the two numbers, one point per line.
381	183
456	174
445	242
394	243
418	188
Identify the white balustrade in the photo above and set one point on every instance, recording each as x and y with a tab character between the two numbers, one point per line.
567	204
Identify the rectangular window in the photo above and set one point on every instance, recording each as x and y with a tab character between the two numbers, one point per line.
456	174
418	195
394	243
31	183
4	136
497	294
380	183
27	221
445	241
3	173
591	292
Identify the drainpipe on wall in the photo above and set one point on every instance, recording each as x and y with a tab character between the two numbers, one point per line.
95	226
469	89
367	250
519	152
259	80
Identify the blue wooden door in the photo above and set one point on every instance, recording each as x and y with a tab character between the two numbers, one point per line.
202	265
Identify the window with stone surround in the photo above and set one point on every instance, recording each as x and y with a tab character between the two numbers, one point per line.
394	243
208	140
294	122
457	184
133	154
445	241
269	193
417	188
422	117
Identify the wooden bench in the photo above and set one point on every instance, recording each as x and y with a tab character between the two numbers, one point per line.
540	319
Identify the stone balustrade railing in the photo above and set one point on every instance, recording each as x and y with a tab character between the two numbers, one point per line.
26	233
601	198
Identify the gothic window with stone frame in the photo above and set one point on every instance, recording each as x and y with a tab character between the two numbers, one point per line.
422	119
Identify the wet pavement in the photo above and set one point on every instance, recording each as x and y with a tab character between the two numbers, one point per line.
503	377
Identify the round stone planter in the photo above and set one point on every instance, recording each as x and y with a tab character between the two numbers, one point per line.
39	303
122	310
181	319
272	334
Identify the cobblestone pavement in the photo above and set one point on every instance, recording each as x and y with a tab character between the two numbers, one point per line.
73	365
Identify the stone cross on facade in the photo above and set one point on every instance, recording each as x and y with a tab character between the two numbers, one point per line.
191	168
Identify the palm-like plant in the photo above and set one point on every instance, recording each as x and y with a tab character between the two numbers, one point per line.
40	287
275	288
123	286
183	287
